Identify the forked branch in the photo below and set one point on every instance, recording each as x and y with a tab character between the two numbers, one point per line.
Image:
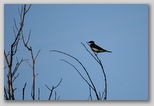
95	56
92	84
53	87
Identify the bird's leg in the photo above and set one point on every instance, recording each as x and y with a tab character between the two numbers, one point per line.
95	53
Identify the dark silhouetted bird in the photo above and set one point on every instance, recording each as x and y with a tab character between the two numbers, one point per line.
96	48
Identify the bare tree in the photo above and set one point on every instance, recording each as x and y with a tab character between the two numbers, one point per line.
12	67
9	57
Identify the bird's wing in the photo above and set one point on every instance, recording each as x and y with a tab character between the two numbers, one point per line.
98	47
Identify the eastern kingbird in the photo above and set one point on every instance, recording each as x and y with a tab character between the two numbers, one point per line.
96	48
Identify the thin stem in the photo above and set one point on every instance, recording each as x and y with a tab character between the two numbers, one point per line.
101	65
94	88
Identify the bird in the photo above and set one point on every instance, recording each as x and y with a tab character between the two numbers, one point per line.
95	48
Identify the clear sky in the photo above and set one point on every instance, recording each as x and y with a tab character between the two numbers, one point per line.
122	29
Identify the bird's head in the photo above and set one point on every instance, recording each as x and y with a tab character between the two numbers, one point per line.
91	42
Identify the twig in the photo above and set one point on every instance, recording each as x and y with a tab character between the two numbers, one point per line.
101	65
53	87
32	65
15	77
90	93
23	91
90	52
78	73
5	94
37	54
38	93
12	52
94	88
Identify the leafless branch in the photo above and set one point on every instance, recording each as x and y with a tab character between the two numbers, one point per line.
23	91
17	66
6	58
28	8
93	86
39	94
32	65
15	25
13	49
78	73
90	93
15	77
5	94
101	65
89	52
29	63
53	87
37	54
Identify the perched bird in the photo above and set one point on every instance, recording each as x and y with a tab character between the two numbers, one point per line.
96	48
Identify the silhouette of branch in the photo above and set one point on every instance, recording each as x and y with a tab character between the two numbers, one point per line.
92	84
13	49
90	96
38	93
5	93
18	63
32	65
90	52
105	80
56	96
95	56
53	87
78	72
23	91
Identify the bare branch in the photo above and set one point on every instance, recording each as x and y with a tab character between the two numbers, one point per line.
101	65
5	94
28	8
37	54
26	43
38	93
15	24
90	93
76	60
28	37
14	32
13	49
15	77
32	65
90	52
5	67
53	87
78	73
94	88
56	96
7	61
17	65
23	91
29	63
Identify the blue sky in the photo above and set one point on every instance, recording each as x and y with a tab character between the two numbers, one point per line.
122	29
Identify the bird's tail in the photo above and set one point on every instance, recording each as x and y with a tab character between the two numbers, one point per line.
109	51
